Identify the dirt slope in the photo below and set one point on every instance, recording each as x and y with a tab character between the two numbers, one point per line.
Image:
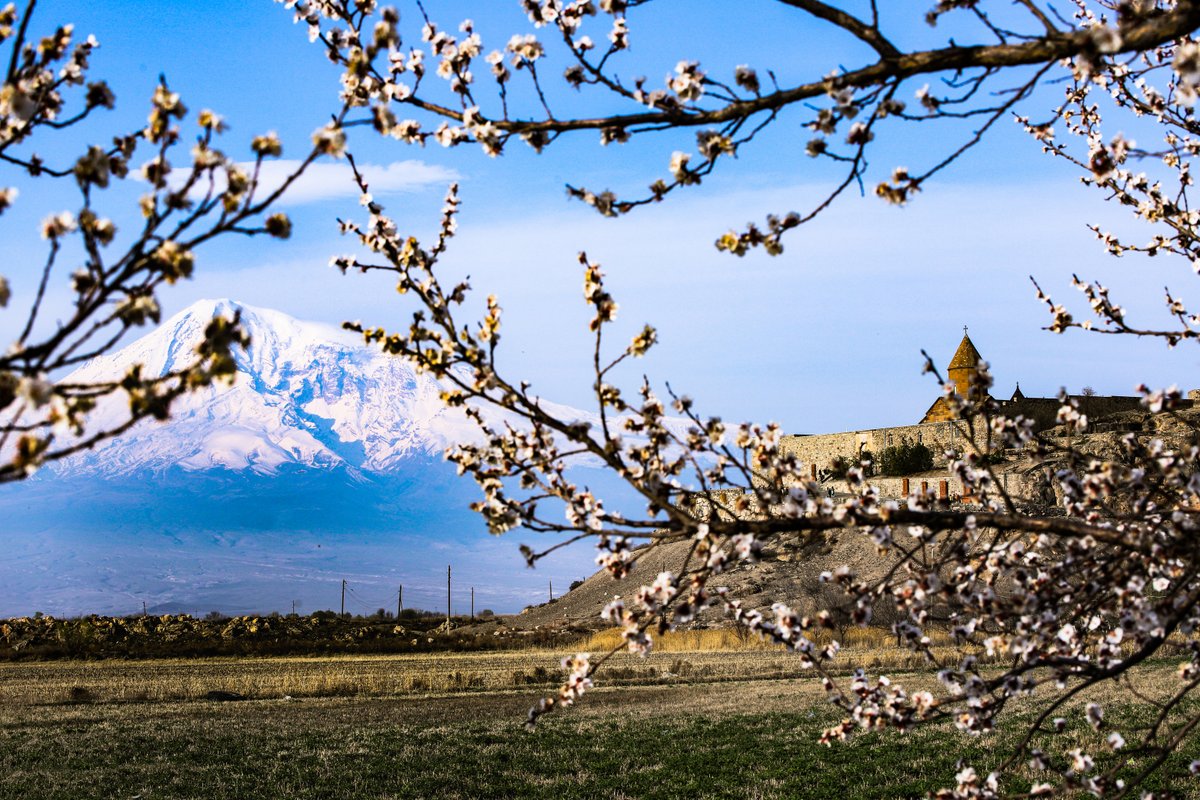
789	570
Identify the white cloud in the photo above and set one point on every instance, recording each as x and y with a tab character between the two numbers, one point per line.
333	180
825	337
325	181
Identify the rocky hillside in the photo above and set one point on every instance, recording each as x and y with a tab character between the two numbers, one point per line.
789	570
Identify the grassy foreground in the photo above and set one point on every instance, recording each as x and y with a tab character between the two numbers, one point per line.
632	743
750	738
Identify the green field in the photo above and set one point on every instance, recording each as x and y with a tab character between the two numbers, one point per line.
671	736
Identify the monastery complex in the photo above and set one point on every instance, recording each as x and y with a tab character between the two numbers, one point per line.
937	431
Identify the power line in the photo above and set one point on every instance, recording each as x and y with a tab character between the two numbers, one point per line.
369	606
357	599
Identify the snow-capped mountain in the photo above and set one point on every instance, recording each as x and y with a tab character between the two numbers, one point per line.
306	395
321	463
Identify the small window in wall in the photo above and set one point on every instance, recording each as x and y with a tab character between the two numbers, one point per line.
889	440
919	434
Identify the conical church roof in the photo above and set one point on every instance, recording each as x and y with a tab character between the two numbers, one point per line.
966	357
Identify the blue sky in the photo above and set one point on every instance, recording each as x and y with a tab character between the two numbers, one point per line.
826	337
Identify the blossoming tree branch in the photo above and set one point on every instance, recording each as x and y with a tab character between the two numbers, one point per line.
461	90
1043	603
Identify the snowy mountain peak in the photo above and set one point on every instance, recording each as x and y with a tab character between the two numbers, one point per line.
306	395
274	335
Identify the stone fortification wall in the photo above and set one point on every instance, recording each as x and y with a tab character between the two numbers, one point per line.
1044	410
1022	484
819	450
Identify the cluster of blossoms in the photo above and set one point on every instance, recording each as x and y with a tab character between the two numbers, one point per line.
578	681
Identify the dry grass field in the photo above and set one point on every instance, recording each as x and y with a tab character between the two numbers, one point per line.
688	723
359	676
686	657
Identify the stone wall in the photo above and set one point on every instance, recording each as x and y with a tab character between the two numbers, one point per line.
818	451
1021	486
947	486
1044	410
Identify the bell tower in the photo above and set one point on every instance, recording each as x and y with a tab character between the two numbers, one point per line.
966	360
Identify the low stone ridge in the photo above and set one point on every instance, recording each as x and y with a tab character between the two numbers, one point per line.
180	635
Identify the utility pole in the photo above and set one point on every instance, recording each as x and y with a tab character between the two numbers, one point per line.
551	590
447	598
293	608
400	601
343	597
472	604
144	613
